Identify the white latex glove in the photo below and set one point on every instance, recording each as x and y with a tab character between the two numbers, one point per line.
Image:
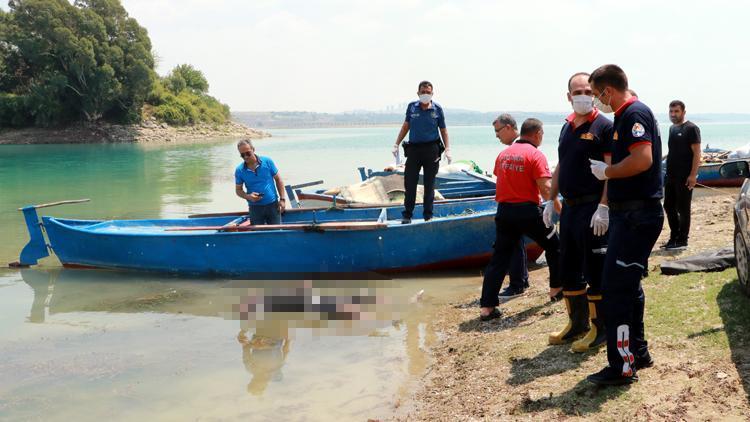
549	211
598	168
600	220
448	156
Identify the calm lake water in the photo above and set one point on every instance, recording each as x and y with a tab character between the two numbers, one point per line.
87	345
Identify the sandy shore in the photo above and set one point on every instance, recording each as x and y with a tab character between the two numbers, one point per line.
148	132
504	369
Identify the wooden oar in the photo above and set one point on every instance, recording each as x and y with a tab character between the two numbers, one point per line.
337	207
52	204
353	225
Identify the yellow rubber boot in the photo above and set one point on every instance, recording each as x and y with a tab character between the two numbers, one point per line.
578	318
597	336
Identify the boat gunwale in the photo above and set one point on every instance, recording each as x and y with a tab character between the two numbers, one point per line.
391	224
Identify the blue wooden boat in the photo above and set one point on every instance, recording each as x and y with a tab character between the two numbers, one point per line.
351	240
708	171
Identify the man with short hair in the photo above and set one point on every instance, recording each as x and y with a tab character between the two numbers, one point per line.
584	218
506	130
634	191
428	138
683	160
522	176
258	181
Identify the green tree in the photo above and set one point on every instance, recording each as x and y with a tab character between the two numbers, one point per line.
80	61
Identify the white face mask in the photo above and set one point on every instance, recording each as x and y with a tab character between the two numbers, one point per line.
582	104
425	98
604	108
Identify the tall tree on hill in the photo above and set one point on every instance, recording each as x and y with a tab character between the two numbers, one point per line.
70	62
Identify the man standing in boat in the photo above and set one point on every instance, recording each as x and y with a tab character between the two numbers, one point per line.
682	174
634	192
584	218
522	176
257	180
428	138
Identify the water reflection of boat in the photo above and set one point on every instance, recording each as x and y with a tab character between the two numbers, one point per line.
269	313
351	240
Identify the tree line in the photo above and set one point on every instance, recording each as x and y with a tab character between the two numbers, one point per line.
63	63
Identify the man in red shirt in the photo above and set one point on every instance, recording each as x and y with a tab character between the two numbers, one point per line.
522	176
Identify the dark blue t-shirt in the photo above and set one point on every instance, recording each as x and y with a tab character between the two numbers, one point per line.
424	124
635	125
591	140
258	180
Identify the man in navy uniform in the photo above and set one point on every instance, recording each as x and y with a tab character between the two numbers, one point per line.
584	219
428	137
636	217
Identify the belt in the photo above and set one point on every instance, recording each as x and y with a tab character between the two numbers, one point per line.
586	199
415	144
518	204
634	204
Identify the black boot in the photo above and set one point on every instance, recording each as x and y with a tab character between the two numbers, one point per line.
578	318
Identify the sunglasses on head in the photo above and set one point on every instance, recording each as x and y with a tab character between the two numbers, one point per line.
246	154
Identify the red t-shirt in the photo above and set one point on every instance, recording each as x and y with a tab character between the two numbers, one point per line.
517	169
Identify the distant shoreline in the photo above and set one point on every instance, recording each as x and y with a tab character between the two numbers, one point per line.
147	132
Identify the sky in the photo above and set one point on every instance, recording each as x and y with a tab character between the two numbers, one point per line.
341	55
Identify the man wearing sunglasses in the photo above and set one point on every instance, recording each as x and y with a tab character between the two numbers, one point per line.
257	180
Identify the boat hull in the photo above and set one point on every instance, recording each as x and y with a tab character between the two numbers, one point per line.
461	235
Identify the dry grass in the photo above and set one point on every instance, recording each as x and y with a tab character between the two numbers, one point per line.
698	327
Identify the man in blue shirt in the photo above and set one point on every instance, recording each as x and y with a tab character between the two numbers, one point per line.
634	192
257	180
428	137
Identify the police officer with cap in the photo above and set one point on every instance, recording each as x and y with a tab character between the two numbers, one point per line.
428	138
522	177
584	219
636	218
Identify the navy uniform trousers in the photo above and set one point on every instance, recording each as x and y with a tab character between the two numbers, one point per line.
632	235
512	222
426	157
581	252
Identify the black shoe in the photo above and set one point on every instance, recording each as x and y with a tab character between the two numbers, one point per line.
645	361
609	376
669	244
510	292
426	219
676	246
492	315
406	220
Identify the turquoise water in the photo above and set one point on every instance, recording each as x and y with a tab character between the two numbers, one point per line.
87	345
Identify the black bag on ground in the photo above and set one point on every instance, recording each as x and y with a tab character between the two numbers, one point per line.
716	260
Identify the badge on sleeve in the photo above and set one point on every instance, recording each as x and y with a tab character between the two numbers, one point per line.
638	130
